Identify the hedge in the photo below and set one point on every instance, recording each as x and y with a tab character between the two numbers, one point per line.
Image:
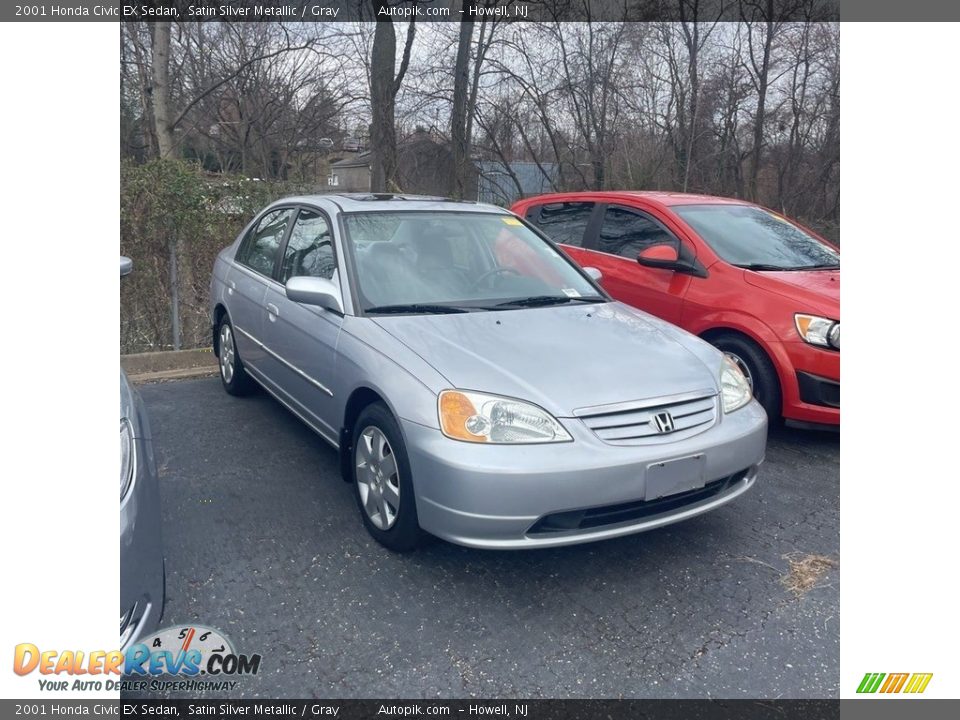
171	208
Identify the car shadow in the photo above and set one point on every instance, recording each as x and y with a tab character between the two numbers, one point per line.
803	436
693	546
699	548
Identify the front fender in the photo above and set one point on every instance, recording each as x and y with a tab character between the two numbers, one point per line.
407	384
406	392
755	329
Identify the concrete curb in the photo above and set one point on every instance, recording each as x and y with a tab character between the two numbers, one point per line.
169	365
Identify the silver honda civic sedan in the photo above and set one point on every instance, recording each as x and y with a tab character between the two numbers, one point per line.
477	384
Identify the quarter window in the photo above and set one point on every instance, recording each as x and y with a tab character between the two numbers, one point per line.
309	250
627	233
565	222
259	249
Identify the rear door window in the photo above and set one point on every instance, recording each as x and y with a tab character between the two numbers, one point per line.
564	222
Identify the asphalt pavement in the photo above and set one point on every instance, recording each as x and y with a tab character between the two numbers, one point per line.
263	541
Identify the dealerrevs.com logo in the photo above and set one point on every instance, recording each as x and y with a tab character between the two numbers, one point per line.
909	683
183	658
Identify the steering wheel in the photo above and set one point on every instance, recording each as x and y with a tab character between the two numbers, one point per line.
494	273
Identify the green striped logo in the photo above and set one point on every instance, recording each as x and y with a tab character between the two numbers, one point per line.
912	683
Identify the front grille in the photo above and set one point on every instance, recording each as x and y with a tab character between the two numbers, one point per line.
636	424
630	512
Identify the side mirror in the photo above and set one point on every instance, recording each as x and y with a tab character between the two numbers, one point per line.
126	266
319	292
667	257
656	255
594	273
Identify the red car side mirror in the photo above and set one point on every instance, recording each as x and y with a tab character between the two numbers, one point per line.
659	253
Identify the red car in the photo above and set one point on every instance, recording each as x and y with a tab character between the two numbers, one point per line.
758	286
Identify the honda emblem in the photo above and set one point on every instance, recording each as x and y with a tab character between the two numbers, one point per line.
663	422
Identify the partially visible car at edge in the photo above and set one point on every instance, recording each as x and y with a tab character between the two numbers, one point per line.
757	285
142	577
476	383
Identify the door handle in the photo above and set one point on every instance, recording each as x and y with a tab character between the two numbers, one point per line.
274	312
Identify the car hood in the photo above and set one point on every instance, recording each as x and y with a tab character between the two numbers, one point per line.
816	290
561	358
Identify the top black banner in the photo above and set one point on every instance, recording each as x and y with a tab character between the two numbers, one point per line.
498	10
436	10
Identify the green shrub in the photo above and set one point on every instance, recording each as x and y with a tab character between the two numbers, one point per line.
173	207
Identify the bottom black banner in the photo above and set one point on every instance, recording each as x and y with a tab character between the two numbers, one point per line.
382	709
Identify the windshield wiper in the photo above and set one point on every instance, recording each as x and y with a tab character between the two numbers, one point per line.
787	268
414	308
764	266
543	300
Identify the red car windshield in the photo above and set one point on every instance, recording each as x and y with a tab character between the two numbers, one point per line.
754	238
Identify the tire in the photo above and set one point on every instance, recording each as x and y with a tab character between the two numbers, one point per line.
382	486
234	377
758	368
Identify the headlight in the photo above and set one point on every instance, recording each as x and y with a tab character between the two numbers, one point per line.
818	330
478	417
128	456
734	387
834	336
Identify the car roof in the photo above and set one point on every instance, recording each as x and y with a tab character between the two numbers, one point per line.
679	198
382	202
662	197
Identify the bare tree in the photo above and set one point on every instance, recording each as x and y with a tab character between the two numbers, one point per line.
591	58
749	109
458	112
385	82
765	21
169	99
160	62
136	80
695	36
466	88
729	89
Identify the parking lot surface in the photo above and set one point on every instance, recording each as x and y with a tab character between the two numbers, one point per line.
264	542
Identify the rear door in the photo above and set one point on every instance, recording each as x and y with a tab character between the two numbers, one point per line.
612	245
247	280
302	339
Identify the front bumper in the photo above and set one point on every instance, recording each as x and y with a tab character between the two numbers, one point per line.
811	384
494	496
141	551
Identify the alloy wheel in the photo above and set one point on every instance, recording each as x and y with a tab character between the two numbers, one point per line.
378	479
227	353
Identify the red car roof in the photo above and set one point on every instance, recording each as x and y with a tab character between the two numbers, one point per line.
662	197
678	198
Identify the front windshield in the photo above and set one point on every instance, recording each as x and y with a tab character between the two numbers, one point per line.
457	262
751	237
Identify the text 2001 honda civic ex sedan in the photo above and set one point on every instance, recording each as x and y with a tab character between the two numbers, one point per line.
477	384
